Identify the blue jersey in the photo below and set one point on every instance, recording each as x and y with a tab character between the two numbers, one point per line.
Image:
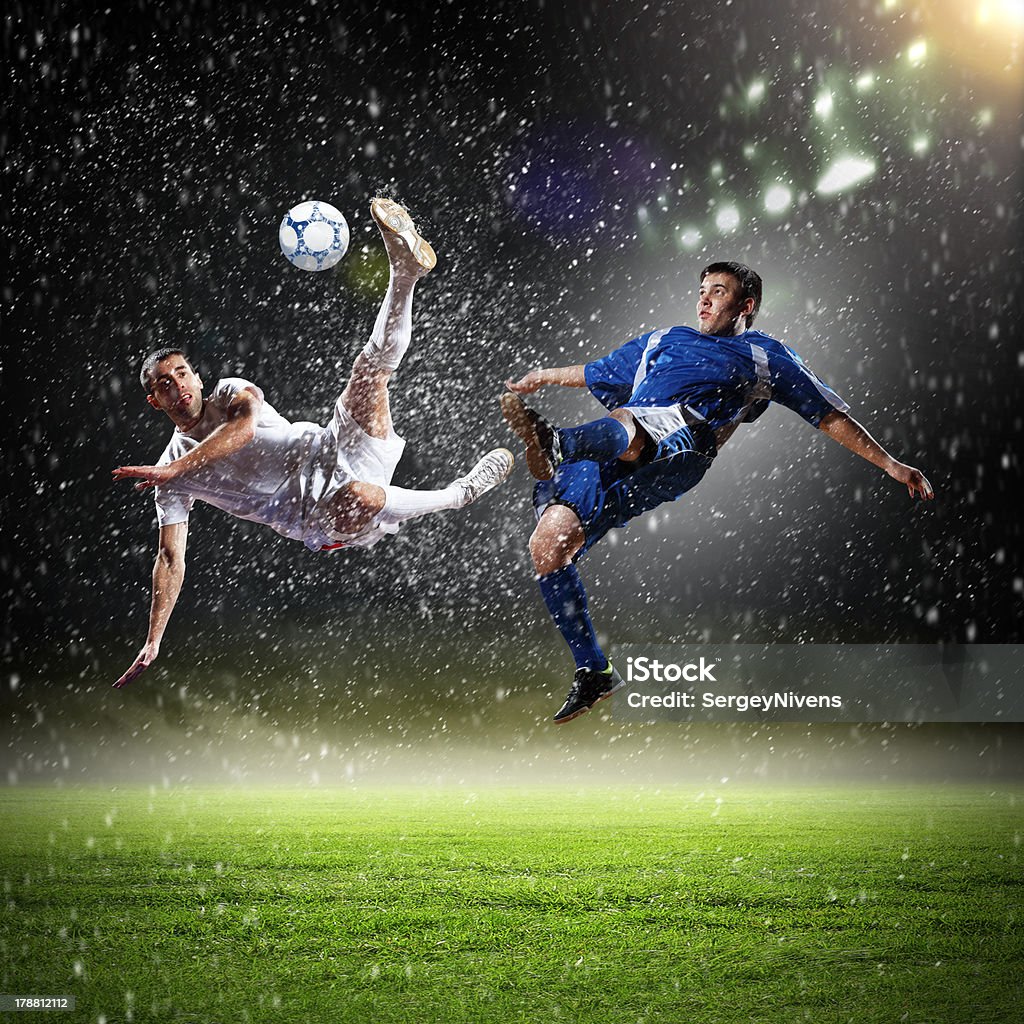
681	375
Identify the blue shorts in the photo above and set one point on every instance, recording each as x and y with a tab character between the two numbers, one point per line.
607	495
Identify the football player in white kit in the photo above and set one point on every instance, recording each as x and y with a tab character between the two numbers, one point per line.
329	487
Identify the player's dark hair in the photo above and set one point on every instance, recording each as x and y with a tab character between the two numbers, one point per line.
149	364
750	282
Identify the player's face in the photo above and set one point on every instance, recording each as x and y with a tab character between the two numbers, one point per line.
719	306
177	390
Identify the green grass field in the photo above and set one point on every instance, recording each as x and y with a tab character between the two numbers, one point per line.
417	905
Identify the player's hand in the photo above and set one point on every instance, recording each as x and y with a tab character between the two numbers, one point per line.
150	476
528	383
145	658
916	482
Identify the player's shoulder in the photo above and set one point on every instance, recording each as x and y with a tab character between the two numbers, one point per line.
760	338
680	333
228	388
772	345
236	384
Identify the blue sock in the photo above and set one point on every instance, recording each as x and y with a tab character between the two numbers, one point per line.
567	602
598	441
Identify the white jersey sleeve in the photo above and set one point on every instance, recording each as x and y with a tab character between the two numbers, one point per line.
172	506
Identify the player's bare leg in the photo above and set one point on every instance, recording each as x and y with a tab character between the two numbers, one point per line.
410	257
556	541
356	506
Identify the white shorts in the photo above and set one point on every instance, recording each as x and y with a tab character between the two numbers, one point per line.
346	453
660	421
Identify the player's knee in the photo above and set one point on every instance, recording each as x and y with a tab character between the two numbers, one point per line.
355	505
547	553
368	372
556	540
628	421
636	447
364	497
638	437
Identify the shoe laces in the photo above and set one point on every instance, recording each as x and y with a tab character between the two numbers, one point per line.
579	681
486	474
489	469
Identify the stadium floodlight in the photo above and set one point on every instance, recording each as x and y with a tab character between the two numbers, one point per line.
777	198
844	173
727	219
917	51
999	11
689	237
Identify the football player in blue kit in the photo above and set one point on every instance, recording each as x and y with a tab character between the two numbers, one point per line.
674	396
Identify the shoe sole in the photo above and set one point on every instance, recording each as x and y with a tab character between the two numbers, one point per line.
394	218
582	711
524	426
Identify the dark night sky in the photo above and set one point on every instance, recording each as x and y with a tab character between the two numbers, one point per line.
563	160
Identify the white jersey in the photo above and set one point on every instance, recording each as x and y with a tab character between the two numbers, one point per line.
265	482
281	476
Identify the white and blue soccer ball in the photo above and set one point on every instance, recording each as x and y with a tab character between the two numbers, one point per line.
313	235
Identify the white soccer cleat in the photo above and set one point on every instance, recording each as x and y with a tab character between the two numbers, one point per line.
395	223
485	475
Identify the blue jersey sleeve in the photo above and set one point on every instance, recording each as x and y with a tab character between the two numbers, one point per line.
796	387
610	378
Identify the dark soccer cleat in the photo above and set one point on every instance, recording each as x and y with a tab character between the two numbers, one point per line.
543	452
588	687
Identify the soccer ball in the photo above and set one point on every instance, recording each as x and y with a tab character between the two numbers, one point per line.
313	235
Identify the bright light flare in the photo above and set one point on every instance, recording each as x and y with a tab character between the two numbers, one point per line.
844	173
917	52
986	35
823	104
995	12
727	219
689	238
778	198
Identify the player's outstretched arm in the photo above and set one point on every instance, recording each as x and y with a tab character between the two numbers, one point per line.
850	434
231	436
168	573
565	376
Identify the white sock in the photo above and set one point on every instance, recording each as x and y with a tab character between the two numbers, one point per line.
392	330
400	503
